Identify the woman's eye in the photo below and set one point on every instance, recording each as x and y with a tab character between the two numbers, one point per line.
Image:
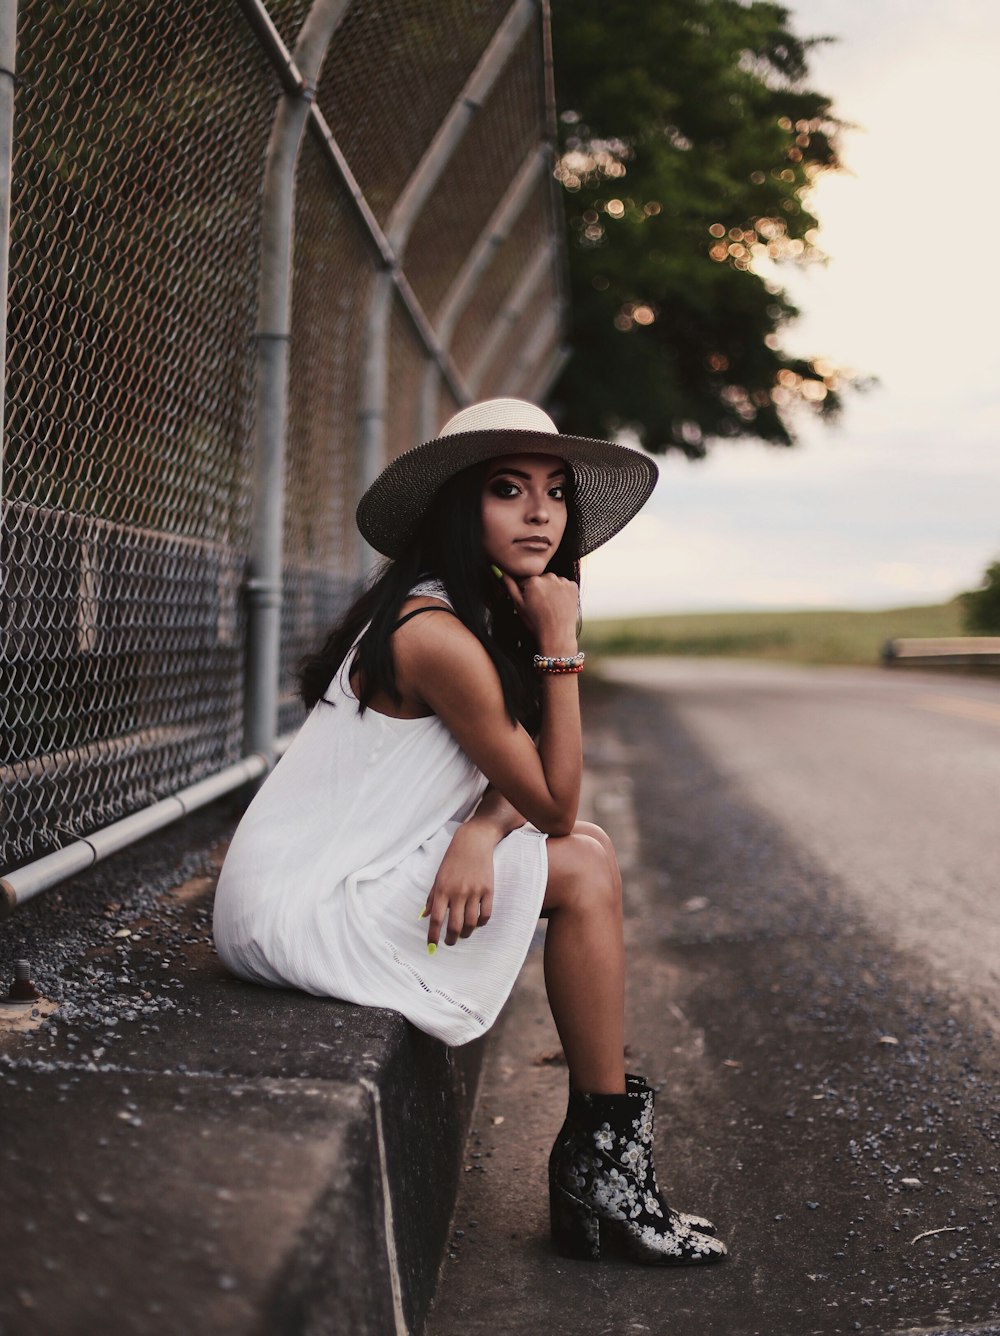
557	492
505	489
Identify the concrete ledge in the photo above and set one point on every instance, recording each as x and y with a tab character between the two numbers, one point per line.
184	1152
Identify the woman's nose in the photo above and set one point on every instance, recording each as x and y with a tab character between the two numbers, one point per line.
538	510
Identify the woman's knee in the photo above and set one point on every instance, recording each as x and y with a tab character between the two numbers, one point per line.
600	835
580	872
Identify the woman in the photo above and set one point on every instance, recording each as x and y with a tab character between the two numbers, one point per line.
414	806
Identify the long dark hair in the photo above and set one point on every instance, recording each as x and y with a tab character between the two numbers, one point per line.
447	545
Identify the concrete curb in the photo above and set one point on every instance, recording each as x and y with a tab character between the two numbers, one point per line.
242	1160
159	1201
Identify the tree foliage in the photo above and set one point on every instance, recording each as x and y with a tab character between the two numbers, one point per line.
981	607
689	143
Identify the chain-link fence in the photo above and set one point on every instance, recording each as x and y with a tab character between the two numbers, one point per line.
424	271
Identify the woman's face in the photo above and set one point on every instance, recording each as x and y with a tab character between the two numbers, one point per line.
524	512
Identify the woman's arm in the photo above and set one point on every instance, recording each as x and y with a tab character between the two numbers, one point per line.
461	898
439	661
443	665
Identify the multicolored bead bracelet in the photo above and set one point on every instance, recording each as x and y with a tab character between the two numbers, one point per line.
546	663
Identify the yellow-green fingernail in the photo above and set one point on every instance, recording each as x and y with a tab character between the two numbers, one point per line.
431	948
423	912
497	572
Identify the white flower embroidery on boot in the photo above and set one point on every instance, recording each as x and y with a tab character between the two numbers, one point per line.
604	1137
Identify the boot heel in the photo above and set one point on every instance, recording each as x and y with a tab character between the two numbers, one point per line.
576	1229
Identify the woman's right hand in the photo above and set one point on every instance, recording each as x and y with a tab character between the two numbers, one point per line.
461	898
549	606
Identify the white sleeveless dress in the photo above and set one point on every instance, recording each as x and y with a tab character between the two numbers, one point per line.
330	866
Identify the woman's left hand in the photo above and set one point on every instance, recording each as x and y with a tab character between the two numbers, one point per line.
461	898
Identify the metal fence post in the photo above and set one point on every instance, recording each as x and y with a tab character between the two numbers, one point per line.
456	299
374	395
8	56
400	224
540	386
263	586
510	312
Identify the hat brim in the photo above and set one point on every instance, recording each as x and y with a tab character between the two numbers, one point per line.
612	482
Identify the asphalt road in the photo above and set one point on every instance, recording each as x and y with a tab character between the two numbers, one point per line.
812	925
890	781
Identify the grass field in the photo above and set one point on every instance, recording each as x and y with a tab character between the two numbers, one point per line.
803	637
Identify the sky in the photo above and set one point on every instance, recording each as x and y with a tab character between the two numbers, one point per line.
900	503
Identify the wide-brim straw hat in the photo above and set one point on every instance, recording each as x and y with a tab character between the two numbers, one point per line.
612	482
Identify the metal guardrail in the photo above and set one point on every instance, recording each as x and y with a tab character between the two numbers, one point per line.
257	247
943	652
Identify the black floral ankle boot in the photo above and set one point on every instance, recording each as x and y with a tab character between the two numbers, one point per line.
602	1183
639	1086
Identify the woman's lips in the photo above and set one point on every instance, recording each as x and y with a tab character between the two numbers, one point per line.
540	543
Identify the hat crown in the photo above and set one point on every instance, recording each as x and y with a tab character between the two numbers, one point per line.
500	415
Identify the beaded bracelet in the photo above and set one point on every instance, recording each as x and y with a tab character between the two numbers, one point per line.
546	663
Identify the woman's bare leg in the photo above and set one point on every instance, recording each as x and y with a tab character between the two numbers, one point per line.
584	958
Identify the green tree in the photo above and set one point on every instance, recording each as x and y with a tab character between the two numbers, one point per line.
981	607
689	143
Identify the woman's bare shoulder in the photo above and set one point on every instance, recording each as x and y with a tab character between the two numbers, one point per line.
436	646
438	620
437	640
433	608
